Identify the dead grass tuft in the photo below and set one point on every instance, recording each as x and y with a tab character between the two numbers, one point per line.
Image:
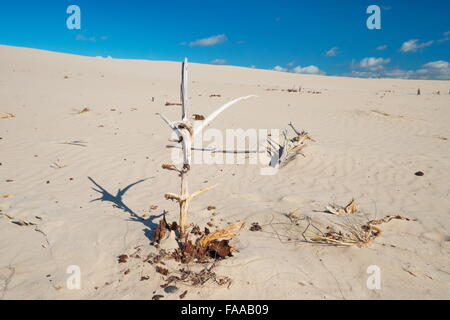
6	115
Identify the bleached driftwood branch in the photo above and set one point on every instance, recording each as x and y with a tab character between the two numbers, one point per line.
218	111
185	133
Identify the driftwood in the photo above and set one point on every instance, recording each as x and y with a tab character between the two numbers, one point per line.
185	133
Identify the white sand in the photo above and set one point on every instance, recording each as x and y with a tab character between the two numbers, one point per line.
358	153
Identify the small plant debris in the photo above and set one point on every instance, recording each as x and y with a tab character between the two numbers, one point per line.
211	208
6	115
183	294
123	258
293	216
84	110
419	174
172	104
144	278
157	297
57	165
207	246
214	95
162	270
255	227
350	208
198	117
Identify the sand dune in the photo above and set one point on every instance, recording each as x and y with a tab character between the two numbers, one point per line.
372	136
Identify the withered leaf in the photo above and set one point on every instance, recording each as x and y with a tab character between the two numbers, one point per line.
220	248
162	270
123	258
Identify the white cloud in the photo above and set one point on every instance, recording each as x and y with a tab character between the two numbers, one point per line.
373	64
382	47
332	52
219	61
308	70
414	45
305	70
434	70
211	41
280	69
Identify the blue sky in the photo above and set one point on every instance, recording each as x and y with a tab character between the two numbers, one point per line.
291	36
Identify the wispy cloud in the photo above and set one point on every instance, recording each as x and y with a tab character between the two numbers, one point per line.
210	41
219	61
332	52
414	45
81	37
446	37
382	47
290	64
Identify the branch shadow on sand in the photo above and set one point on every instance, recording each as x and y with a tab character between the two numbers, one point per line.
118	203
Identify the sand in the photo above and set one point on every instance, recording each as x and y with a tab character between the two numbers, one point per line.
372	136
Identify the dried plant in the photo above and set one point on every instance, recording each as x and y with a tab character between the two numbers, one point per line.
289	148
6	115
354	233
220	234
352	228
84	110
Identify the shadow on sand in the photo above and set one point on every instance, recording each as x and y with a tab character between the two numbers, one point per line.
118	202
